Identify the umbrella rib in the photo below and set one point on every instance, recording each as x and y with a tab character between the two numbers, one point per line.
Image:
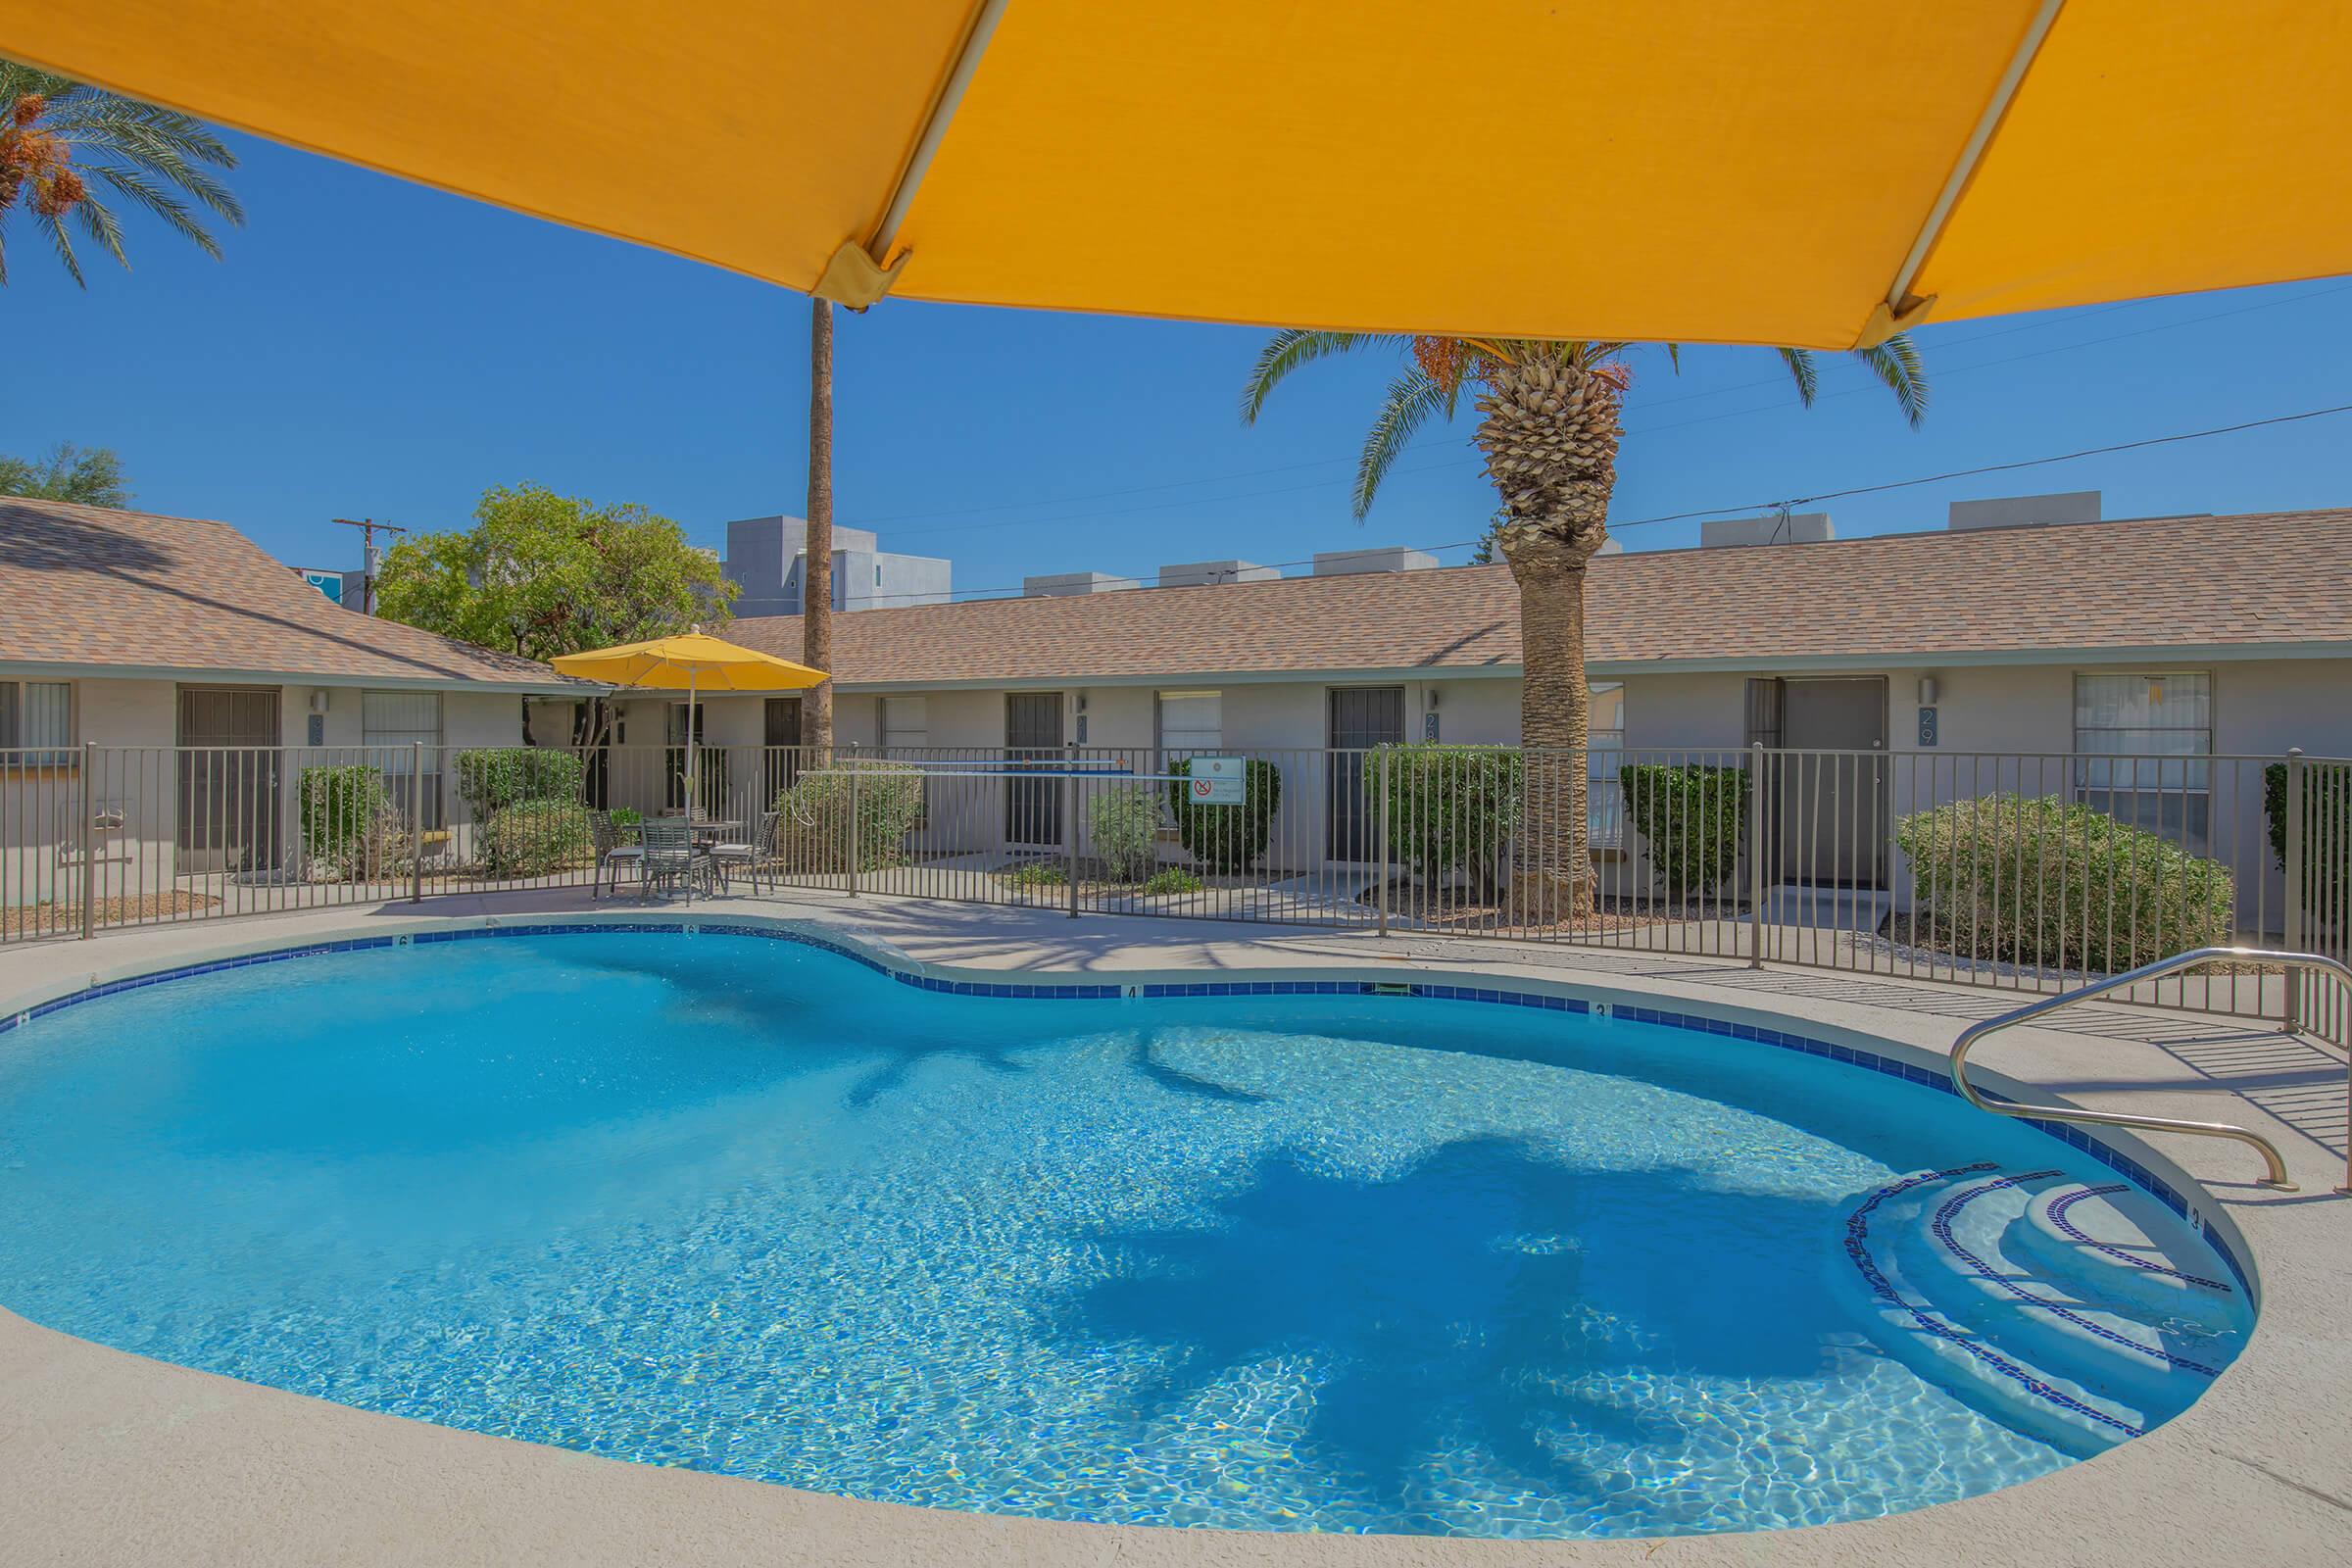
856	276
1901	308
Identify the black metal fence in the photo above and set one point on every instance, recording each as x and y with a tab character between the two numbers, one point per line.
2023	871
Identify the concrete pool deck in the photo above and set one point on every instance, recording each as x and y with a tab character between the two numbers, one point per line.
109	1459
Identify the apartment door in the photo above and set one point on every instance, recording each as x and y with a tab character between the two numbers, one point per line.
1361	717
1032	736
1833	783
781	763
228	767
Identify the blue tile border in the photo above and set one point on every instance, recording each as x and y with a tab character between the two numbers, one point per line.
2068	1133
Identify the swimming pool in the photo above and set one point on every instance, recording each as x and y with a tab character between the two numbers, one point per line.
1322	1261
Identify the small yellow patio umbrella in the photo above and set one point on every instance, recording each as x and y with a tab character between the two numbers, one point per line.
693	664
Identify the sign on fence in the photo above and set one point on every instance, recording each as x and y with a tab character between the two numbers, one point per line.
1219	781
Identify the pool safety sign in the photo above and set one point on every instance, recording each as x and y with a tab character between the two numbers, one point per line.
1219	781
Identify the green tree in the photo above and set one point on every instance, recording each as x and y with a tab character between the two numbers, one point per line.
90	475
70	153
1548	430
541	575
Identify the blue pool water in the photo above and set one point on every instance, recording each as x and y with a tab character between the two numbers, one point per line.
1293	1262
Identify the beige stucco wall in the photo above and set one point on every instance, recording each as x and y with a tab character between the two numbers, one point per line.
2008	711
134	725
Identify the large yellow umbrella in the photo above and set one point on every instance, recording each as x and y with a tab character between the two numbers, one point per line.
693	664
1808	172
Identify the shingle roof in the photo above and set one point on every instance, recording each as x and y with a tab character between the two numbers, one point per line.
87	586
2255	579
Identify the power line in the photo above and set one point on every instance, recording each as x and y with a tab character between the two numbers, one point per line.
1637	429
1792	501
2066	457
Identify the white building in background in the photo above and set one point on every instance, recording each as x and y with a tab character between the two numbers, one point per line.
767	561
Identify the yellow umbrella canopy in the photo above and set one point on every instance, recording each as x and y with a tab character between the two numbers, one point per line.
695	661
693	664
1808	172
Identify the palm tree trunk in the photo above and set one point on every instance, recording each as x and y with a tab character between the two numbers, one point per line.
1554	870
816	575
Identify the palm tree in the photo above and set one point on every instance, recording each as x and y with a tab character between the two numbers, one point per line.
817	574
1548	430
67	148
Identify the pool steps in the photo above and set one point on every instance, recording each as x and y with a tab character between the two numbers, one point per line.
2081	1313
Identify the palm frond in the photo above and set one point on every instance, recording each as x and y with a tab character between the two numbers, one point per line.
63	242
98	220
1412	397
158	159
1805	372
135	185
18	79
1896	363
1289	349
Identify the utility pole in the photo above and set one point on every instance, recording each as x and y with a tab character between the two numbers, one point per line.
369	559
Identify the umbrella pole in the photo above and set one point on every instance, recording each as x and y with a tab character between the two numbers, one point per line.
693	736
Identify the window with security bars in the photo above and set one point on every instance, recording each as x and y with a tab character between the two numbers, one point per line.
36	721
2143	743
391	726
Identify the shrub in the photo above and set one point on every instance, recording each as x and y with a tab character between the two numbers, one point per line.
1126	824
492	779
1037	874
2044	881
1172	879
2326	833
813	822
536	838
1226	838
1449	806
1691	820
349	824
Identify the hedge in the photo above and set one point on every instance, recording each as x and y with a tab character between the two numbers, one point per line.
492	779
536	838
349	824
813	820
1690	818
1226	838
2056	884
1449	806
2326	834
1126	824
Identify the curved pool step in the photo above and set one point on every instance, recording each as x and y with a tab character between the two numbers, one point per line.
2132	1251
2043	1340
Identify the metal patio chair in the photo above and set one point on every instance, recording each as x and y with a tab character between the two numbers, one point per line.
612	855
671	858
756	858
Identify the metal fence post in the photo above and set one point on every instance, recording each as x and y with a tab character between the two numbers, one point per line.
1069	825
853	824
89	840
1380	760
416	824
1756	855
2294	884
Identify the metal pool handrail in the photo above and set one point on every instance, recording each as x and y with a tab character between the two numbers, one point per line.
2293	962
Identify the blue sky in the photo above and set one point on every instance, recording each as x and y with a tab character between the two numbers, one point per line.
373	349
